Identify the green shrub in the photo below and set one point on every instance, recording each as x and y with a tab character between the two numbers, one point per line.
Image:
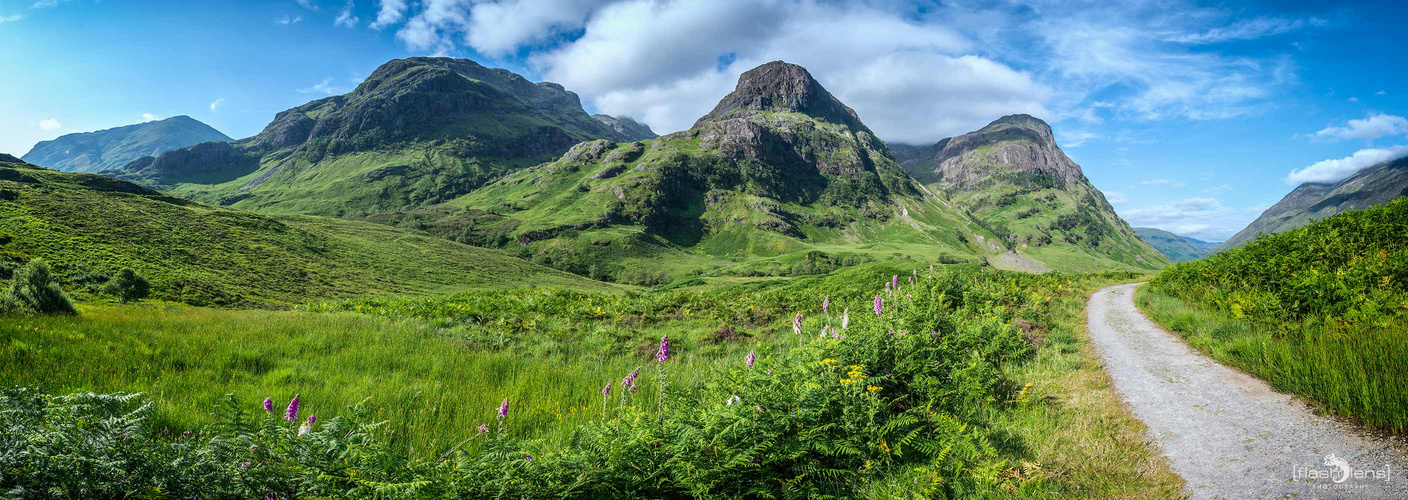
127	286
34	290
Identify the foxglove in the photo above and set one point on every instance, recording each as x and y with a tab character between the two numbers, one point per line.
749	360
664	352
606	391
268	405
797	324
878	303
291	413
503	409
826	305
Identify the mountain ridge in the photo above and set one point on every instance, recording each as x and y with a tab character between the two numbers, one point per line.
112	148
1176	247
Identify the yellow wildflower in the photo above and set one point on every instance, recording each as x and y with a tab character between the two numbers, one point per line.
872	388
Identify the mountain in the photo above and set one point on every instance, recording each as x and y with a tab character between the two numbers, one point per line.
1308	202
1011	177
90	226
627	128
1177	248
779	178
115	147
418	131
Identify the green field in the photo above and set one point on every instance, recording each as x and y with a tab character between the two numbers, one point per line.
1317	311
1007	400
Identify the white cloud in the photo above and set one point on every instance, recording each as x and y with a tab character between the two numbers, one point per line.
345	18
215	105
10	19
1379	93
1335	170
148	117
1250	29
1116	197
391	12
1353	99
323	87
46	3
1163	182
307	4
1202	218
288	20
1215	190
49	124
1075	138
1373	127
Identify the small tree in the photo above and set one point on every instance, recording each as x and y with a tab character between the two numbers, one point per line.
35	290
128	286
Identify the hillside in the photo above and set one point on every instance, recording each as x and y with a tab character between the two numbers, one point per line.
627	128
1012	177
1176	247
1372	186
115	147
89	226
780	178
417	131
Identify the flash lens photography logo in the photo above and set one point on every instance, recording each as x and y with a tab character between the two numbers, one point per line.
1339	470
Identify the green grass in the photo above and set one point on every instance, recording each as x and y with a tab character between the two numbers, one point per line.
436	367
1348	370
90	226
1317	311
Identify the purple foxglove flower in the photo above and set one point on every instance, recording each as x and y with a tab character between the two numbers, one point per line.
911	280
934	335
268	405
606	391
483	428
528	457
503	409
826	305
244	465
664	352
291	413
632	389
878	303
797	324
749	360
631	378
895	281
312	419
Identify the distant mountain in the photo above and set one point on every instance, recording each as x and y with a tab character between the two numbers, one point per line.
115	147
89	226
1011	177
417	131
779	178
1176	247
628	128
1371	186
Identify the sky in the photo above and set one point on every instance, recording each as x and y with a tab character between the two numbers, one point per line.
1192	117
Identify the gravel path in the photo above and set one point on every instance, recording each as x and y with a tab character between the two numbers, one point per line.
1228	434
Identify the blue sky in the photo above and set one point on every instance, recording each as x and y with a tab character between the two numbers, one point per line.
1191	117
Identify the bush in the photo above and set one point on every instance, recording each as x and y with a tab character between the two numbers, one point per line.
127	286
35	291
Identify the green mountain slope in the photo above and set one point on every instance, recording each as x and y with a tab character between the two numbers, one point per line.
418	131
1372	186
1011	177
90	226
780	178
1177	248
115	147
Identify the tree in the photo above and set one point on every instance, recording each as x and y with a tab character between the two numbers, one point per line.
35	290
128	286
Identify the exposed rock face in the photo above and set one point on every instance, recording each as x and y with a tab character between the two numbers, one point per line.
1309	202
1013	143
782	87
627	128
114	147
209	162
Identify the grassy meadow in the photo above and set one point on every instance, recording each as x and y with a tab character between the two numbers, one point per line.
1317	311
1036	417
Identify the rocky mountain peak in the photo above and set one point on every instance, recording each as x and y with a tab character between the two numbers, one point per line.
782	87
1023	122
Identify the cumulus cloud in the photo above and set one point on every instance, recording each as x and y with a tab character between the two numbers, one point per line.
148	117
345	18
1202	218
49	124
1116	197
390	12
1373	127
1335	170
215	105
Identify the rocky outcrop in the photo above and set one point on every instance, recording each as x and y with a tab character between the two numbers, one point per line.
782	87
627	128
1019	144
206	162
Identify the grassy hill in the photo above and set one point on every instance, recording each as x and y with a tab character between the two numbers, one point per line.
115	147
1319	310
417	131
90	226
1314	201
1011	177
1177	248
